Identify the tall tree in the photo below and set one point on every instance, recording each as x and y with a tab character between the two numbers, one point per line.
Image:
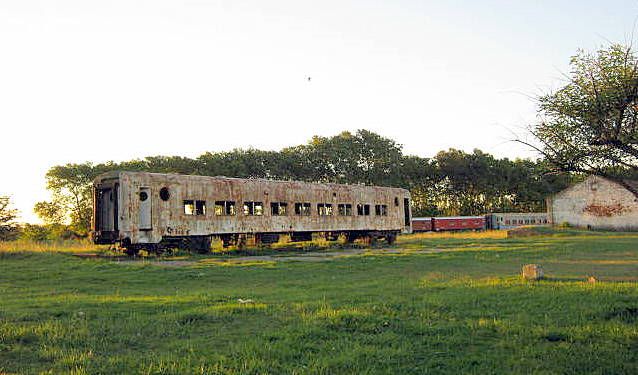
8	215
590	125
71	195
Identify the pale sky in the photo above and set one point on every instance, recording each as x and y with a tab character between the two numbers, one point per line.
84	80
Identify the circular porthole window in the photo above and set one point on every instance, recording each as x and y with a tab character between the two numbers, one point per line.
143	196
164	194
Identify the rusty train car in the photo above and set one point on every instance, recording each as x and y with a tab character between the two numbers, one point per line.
154	211
448	223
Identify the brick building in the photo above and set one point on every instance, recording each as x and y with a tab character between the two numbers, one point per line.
596	203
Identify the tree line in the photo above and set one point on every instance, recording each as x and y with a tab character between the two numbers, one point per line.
451	183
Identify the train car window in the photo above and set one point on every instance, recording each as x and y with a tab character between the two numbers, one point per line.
381	210
253	208
324	209
278	208
302	209
164	194
224	208
363	209
200	207
189	207
345	209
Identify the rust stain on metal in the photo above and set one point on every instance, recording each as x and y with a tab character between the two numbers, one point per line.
169	217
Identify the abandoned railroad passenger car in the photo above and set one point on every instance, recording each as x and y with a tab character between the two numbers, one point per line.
143	210
509	220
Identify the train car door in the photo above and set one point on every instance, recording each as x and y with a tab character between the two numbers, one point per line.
406	211
104	211
145	222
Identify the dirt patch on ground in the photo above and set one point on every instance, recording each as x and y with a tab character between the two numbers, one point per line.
522	232
299	257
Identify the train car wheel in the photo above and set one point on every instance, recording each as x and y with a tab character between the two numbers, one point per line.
391	238
131	251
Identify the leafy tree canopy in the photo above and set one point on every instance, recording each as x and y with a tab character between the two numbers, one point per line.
8	215
454	182
590	125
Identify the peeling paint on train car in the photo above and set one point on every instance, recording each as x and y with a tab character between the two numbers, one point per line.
168	217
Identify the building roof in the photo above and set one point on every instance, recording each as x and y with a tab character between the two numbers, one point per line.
632	183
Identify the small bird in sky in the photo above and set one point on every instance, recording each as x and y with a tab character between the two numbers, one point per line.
309	79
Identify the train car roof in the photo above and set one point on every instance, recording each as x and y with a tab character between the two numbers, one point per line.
459	217
115	174
518	213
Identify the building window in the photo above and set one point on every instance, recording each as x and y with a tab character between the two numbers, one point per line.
507	222
302	209
396	201
324	209
363	209
278	208
381	210
194	208
224	208
345	209
253	208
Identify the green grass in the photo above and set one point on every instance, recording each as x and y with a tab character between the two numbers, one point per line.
463	310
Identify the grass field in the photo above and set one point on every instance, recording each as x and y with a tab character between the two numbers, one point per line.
460	308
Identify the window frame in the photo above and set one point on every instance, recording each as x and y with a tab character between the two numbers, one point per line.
188	203
200	208
194	204
229	208
381	209
303	209
344	209
325	209
252	208
279	206
363	209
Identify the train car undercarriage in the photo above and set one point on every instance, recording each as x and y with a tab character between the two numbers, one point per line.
202	244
